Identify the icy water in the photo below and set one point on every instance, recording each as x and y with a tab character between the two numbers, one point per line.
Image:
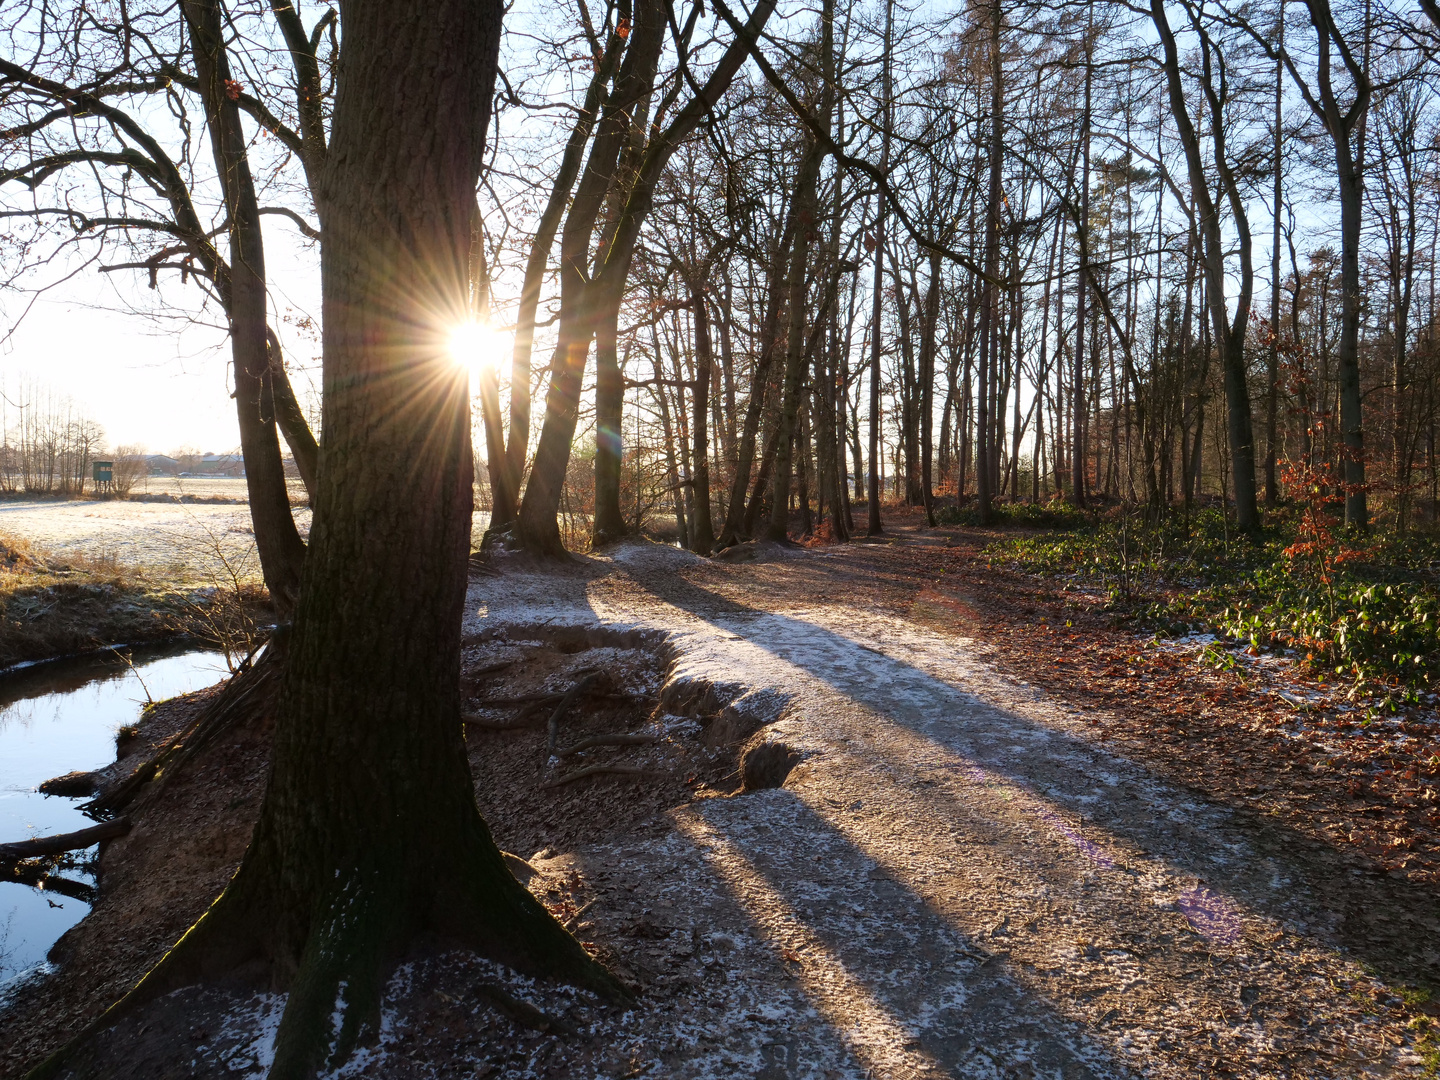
56	718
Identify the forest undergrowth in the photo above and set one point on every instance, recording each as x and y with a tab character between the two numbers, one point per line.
1107	618
1363	611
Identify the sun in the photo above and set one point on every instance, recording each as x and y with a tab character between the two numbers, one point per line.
478	346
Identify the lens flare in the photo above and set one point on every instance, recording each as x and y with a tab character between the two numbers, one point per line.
479	347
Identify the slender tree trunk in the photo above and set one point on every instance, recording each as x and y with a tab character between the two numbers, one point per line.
703	536
291	419
609	523
277	540
672	468
928	346
986	447
502	495
537	524
737	516
873	526
535	266
1272	366
1082	292
631	199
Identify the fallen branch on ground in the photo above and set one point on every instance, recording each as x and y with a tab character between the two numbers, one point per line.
622	739
41	846
602	770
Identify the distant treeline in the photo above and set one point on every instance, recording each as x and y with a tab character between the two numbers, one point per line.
48	444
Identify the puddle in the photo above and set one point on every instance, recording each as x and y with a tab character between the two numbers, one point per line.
57	718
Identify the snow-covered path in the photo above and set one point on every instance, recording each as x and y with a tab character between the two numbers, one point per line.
956	881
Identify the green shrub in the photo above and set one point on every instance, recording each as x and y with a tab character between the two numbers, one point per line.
1052	515
1371	616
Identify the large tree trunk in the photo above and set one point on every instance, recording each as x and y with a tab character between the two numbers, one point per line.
277	541
368	834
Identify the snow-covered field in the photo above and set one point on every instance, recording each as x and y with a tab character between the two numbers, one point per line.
184	541
202	487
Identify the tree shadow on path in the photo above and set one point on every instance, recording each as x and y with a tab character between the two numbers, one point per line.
1014	741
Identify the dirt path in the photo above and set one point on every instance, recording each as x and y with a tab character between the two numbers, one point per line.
958	880
961	877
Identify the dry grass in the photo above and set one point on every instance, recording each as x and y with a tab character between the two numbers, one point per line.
55	606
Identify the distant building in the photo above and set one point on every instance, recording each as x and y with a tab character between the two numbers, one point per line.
193	465
220	465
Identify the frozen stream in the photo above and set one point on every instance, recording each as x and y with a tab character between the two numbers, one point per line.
55	718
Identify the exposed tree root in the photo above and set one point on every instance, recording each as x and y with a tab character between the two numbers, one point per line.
521	1012
620	739
493	669
602	770
524	699
575	691
535	704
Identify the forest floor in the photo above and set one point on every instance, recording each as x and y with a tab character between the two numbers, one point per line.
1020	841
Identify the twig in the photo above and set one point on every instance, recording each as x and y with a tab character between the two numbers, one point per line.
602	770
519	720
608	740
573	921
125	657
